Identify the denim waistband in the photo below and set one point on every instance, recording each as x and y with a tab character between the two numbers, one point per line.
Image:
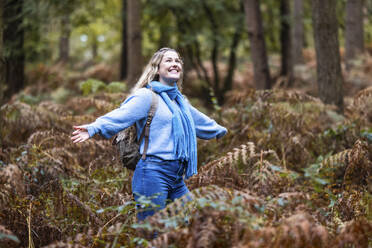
154	158
181	170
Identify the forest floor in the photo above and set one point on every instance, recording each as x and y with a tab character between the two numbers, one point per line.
291	172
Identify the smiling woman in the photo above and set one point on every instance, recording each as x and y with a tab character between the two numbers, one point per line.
171	155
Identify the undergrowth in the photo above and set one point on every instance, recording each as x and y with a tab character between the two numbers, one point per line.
291	172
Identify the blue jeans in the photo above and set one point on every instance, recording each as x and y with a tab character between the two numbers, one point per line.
161	180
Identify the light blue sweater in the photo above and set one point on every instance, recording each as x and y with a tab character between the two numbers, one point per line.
135	109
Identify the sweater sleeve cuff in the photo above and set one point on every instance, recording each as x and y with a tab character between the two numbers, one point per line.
91	131
222	133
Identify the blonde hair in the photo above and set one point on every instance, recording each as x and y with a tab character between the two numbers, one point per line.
151	70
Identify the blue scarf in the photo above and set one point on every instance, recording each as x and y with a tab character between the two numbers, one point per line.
183	127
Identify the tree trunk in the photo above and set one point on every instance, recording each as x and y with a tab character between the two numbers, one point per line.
134	41
2	64
164	35
298	32
64	40
354	41
329	77
94	48
124	42
232	61
285	41
258	48
13	42
214	52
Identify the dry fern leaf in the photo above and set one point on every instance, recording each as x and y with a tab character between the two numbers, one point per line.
11	178
365	93
205	234
334	166
244	168
350	167
82	104
285	204
299	230
181	208
362	103
7	238
351	205
179	237
48	139
356	233
359	169
232	169
61	244
56	108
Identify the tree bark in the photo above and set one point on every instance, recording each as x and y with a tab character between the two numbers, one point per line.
298	32
134	41
94	48
164	35
13	37
124	42
214	52
232	61
286	42
329	77
258	48
354	41
2	62
64	40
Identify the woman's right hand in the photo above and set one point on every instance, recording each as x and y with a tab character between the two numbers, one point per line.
80	134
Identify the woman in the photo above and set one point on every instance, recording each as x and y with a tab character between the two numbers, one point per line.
171	153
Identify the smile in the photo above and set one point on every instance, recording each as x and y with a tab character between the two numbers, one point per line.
174	70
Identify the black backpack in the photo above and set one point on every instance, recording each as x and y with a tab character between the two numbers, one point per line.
126	141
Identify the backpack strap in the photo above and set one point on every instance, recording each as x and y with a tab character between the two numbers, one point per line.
146	130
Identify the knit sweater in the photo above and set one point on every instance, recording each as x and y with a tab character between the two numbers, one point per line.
135	110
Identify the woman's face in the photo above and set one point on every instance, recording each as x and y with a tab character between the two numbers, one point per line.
170	68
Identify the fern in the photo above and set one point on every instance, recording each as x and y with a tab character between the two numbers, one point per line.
299	230
244	168
356	233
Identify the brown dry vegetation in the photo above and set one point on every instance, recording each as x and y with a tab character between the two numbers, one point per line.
291	172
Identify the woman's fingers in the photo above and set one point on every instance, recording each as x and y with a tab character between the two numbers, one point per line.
75	138
76	132
82	128
78	139
79	136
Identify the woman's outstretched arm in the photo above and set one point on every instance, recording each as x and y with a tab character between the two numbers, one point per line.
134	108
206	128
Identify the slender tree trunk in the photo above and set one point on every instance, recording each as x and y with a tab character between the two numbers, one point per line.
164	36
64	40
258	48
329	77
94	48
13	42
214	52
124	41
2	62
134	41
354	40
286	42
298	32
232	61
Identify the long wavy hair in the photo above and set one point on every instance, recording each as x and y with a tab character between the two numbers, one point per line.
151	70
